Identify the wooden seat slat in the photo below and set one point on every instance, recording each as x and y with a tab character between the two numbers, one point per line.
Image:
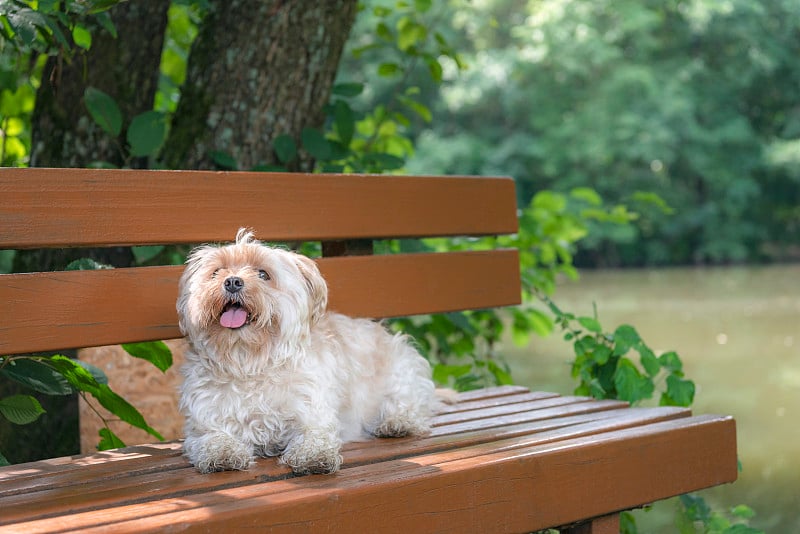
100	207
579	408
583	466
494	401
491	412
363	286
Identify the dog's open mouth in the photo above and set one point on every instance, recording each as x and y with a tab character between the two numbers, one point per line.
234	316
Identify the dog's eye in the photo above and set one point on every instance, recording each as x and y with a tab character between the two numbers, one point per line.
214	274
264	275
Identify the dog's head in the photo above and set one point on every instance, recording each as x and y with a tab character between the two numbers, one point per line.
249	292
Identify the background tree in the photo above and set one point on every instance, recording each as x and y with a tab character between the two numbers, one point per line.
257	70
123	62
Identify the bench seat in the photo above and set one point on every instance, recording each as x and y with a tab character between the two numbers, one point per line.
570	457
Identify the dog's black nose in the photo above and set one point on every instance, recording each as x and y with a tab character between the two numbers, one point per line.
233	284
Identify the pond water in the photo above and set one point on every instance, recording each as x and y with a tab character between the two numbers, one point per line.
737	331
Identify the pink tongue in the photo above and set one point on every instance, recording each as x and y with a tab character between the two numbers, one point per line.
233	318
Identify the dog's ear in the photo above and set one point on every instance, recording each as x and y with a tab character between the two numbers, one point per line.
315	283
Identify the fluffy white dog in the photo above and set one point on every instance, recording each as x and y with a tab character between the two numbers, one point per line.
270	372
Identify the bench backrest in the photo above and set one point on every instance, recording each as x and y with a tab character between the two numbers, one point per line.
54	208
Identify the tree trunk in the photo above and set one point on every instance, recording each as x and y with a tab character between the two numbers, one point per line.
258	69
126	68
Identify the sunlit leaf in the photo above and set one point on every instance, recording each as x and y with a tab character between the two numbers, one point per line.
109	440
155	352
81	37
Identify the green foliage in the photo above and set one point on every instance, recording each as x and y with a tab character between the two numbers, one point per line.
29	33
696	515
59	375
605	369
625	96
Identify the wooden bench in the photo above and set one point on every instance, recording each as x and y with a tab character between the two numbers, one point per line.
502	459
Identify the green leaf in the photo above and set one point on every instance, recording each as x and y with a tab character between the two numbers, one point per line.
588	195
101	5
82	37
109	440
442	372
679	392
435	69
739	528
223	160
649	361
671	361
314	143
146	133
627	523
144	254
540	322
21	409
422	6
3	461
590	324
631	385
155	352
388	69
601	354
625	338
38	376
502	376
108	25
410	33
285	148
345	121
7	261
743	511
104	110
348	90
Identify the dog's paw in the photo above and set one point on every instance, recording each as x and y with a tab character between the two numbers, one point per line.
402	424
313	456
219	452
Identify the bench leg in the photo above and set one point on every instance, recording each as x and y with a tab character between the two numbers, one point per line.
608	524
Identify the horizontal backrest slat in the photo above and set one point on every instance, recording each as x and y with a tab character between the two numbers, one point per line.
42	208
71	309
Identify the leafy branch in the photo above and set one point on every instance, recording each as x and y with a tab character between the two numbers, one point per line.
59	375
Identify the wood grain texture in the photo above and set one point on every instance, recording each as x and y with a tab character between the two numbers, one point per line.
42	208
551	471
74	309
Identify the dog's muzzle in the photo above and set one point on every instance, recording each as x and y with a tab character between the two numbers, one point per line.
234	315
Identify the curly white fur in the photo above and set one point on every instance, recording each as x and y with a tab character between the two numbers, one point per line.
293	380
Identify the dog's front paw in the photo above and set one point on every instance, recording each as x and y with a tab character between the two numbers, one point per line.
313	455
218	452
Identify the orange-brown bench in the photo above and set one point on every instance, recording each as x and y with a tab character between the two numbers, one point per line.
500	460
